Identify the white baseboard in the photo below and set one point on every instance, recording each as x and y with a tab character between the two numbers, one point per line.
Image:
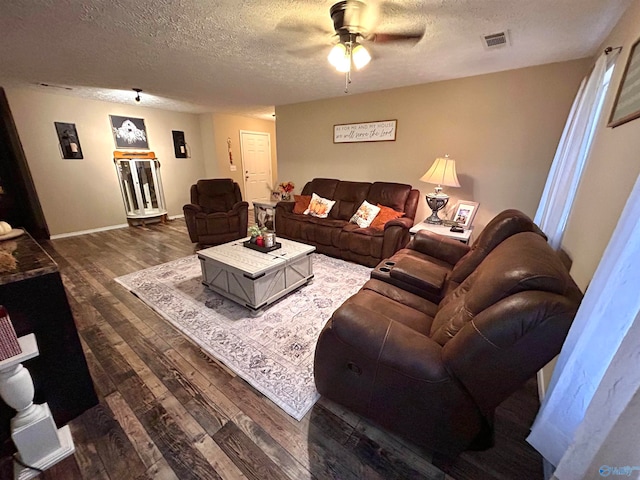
84	232
101	229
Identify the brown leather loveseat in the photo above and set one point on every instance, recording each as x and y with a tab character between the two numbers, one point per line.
335	236
434	372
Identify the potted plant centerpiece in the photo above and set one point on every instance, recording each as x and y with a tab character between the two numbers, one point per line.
256	233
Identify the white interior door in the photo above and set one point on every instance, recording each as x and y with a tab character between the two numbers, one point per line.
256	165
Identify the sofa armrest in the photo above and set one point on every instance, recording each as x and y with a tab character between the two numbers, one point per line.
439	246
285	207
390	373
507	343
191	208
239	207
381	340
402	222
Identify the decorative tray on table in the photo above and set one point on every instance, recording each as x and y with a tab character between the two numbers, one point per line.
253	246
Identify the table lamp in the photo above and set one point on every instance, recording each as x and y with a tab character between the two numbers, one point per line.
442	172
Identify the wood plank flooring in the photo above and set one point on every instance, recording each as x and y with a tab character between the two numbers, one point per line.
167	411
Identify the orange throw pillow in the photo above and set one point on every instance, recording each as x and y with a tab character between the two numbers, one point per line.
302	203
386	214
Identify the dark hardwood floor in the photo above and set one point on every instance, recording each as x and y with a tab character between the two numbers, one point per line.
168	411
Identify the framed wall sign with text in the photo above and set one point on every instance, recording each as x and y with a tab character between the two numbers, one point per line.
383	131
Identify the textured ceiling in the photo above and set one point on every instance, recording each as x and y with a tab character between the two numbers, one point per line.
246	56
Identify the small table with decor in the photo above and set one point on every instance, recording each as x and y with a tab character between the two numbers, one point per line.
444	230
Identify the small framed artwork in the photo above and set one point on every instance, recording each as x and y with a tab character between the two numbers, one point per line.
69	141
179	144
627	104
464	213
129	132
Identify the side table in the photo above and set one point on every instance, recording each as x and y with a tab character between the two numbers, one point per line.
464	237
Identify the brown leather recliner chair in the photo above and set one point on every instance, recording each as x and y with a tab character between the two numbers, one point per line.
432	265
216	213
434	373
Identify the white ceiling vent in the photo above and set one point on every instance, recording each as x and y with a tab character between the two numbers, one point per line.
495	40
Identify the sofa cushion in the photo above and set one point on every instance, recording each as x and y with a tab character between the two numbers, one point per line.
385	214
392	195
215	195
349	196
365	214
302	203
325	187
319	206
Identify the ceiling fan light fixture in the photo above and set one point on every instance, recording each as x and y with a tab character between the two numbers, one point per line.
344	64
360	55
337	54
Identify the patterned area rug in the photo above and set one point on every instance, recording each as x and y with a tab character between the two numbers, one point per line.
272	351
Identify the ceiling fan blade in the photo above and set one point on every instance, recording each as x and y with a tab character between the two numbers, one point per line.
291	24
395	37
308	50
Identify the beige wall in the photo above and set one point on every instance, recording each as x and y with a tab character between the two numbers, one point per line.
224	126
611	171
501	128
78	195
211	168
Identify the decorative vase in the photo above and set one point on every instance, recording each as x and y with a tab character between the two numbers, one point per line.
285	197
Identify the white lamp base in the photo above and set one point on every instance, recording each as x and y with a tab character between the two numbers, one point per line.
66	449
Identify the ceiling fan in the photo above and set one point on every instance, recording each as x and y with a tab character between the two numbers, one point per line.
355	21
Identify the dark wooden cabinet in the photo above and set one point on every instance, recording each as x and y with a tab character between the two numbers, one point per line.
35	298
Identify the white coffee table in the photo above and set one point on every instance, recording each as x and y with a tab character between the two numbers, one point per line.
252	278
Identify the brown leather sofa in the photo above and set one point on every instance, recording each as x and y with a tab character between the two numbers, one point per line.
335	236
434	372
216	213
432	265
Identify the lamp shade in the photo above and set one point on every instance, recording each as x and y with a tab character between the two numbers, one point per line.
442	172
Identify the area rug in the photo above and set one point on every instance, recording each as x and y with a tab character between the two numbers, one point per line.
272	351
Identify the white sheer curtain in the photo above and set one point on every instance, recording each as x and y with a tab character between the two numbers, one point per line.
566	169
610	308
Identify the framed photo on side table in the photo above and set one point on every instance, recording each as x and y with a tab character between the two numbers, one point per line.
464	213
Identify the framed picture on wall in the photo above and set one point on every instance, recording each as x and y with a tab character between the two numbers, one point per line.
179	144
627	104
69	141
464	213
129	132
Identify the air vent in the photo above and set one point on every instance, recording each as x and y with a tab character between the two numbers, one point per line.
48	85
495	40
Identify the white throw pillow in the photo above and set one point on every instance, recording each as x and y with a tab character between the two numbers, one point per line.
365	214
319	207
